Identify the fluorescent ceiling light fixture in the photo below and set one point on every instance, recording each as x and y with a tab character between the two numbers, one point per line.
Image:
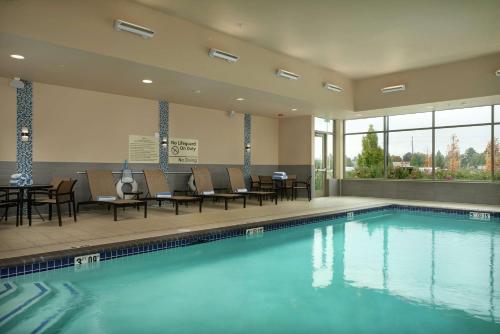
240	99
497	73
147	81
332	87
294	109
144	32
17	57
391	89
223	55
287	75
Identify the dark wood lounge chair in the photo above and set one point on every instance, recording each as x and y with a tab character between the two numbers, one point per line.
103	192
205	188
158	187
237	186
63	194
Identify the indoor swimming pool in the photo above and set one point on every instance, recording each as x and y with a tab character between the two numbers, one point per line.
380	272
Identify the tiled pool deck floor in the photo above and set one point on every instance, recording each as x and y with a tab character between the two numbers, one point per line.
97	228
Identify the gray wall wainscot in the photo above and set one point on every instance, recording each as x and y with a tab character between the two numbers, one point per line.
444	191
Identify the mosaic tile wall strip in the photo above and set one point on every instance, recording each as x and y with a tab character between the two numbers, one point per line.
247	139
163	131
184	241
24	114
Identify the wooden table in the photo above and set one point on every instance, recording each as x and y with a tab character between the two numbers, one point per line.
20	197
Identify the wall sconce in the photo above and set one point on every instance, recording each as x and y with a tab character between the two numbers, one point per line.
25	134
247	147
164	142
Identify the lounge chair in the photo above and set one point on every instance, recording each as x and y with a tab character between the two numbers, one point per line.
205	188
103	192
63	194
158	190
237	185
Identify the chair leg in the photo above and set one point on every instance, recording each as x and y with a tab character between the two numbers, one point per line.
176	208
260	200
6	213
201	203
145	209
225	204
50	211
74	211
69	209
59	213
115	215
244	201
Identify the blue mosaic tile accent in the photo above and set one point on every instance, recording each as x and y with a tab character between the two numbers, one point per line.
247	139
24	115
163	131
189	240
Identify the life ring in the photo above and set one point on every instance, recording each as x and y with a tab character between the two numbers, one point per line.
191	183
119	190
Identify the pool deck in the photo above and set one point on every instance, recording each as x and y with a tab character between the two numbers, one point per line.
97	228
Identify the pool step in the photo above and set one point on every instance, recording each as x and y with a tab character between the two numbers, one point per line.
43	318
29	295
6	289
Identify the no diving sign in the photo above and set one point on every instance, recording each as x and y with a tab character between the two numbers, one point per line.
183	151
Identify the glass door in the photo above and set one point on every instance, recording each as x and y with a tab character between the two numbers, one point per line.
319	164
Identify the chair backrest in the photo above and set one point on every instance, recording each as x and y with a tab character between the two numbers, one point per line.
156	181
266	179
254	178
64	190
236	179
290	180
101	183
54	182
202	179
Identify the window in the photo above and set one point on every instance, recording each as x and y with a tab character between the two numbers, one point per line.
364	125
323	125
461	144
411	121
466	116
410	154
323	140
364	155
461	153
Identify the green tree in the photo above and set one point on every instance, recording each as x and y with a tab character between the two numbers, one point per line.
440	160
471	158
418	160
370	162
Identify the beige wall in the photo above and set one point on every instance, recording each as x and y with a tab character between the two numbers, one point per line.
220	137
74	125
7	121
265	141
459	80
295	141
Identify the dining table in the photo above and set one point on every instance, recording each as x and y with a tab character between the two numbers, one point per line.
22	191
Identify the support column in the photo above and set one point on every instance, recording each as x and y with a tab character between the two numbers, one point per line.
24	116
247	138
163	132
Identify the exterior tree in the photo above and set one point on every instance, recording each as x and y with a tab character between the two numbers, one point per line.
440	160
370	161
471	158
487	155
453	155
418	159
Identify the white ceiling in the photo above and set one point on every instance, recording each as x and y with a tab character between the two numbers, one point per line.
359	38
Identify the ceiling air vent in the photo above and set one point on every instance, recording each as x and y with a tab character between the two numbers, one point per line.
287	75
392	89
332	87
144	32
223	55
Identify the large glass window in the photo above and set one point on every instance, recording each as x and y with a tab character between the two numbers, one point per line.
457	145
461	153
364	155
410	154
466	116
324	129
364	125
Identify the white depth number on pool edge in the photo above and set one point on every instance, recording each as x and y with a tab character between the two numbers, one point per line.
91	258
350	215
257	231
479	215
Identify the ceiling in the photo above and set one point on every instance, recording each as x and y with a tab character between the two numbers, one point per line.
360	38
55	64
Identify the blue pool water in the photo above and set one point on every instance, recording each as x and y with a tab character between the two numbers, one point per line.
384	272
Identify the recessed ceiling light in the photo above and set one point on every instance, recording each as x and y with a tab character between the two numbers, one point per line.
294	109
197	91
147	81
240	99
17	57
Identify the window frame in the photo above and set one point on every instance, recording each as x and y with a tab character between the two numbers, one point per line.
385	132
